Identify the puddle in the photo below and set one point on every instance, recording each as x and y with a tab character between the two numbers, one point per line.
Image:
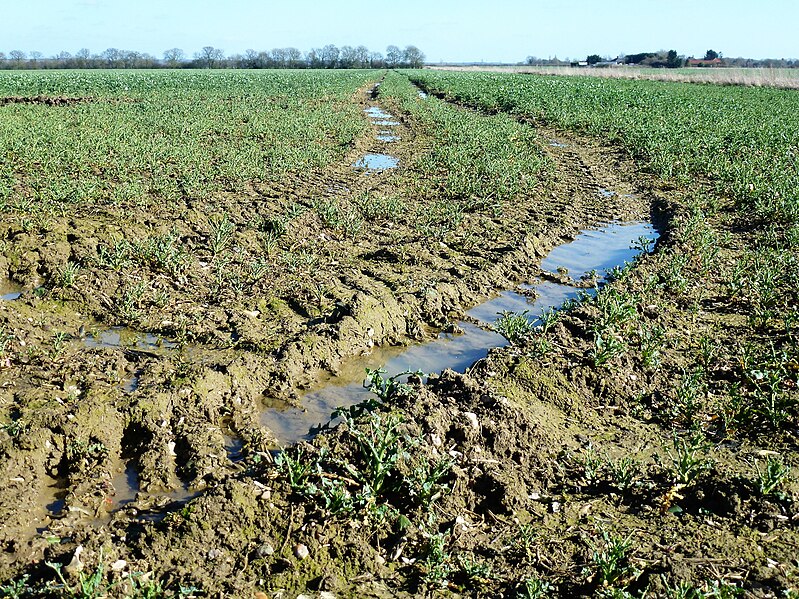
592	250
422	95
126	490
127	338
386	136
377	162
557	144
606	193
233	447
126	487
9	290
131	384
386	123
375	112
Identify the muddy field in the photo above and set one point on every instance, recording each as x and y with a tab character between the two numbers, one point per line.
161	366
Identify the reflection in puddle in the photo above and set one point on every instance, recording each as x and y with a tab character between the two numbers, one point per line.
233	447
127	338
592	250
606	193
422	95
557	144
377	162
386	123
386	136
9	290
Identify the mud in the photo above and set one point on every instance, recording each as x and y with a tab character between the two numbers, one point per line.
163	456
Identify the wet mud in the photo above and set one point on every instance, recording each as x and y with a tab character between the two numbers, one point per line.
146	399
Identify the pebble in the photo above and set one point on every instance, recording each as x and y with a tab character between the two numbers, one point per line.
555	507
472	417
265	550
301	551
214	554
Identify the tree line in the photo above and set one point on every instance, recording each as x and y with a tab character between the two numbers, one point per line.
326	57
664	59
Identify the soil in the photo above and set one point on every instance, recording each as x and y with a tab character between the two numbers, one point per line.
518	504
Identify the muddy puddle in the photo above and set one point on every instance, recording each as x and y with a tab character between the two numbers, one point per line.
373	161
121	337
377	162
591	254
9	290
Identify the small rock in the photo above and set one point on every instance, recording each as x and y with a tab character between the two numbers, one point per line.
171	447
119	565
555	507
436	439
265	550
301	551
472	417
214	554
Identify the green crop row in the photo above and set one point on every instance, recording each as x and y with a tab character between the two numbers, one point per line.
745	140
153	137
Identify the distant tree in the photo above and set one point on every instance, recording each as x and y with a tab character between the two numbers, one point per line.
35	57
413	57
209	57
329	56
393	56
711	55
293	58
277	56
376	60
111	57
313	58
2	56
593	59
17	56
347	57
672	60
173	57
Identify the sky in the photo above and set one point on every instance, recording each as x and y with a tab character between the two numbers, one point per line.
446	31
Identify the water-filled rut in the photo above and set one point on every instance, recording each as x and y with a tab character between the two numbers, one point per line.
591	254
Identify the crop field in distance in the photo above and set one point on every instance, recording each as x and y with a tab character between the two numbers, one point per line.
284	333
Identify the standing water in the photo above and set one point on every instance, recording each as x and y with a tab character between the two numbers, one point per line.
592	251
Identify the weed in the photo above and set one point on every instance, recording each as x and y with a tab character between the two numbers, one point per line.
222	230
59	344
379	444
68	275
689	458
516	327
623	472
436	566
129	303
772	477
535	588
613	567
90	585
606	347
297	469
651	339
424	482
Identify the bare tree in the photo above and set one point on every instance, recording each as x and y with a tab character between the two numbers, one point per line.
413	57
209	57
17	56
329	56
393	56
173	57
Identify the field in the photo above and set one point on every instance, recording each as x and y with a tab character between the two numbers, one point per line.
753	77
190	260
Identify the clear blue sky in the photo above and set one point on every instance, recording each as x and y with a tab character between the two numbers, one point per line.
448	30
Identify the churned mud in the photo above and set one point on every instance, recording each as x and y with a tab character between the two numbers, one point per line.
148	396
